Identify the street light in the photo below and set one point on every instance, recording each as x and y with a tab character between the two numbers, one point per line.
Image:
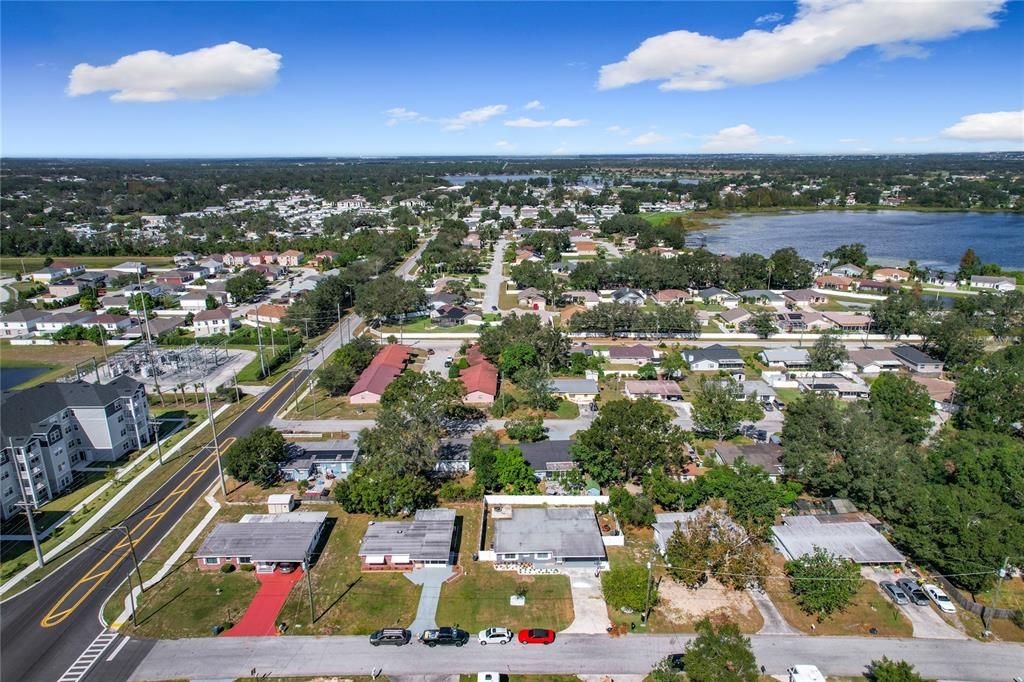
216	444
131	546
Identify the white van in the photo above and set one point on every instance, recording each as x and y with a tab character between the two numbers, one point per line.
805	673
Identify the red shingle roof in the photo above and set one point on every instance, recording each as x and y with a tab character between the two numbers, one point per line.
482	377
375	379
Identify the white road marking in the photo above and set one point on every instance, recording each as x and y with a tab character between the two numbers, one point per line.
117	649
88	658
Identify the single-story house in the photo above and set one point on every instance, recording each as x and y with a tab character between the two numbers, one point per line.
453	316
563	267
735	316
940	391
49	274
761	296
319	459
844	386
579	391
667	523
713	358
386	365
835	282
875	360
917	361
585	248
667	296
768	456
548	458
804	298
869	286
21	322
660	389
58	321
265	540
788	357
890	275
131	267
853	540
997	283
403	545
627	296
638	354
175	278
719	296
527	255
184	258
802	320
210	322
532	297
849	322
550	535
848	270
480	383
267	313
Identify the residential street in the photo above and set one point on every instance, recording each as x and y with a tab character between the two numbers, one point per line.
601	654
493	279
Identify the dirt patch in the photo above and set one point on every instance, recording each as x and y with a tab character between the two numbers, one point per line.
679	604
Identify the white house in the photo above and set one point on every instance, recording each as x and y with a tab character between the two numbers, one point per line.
21	322
997	283
210	322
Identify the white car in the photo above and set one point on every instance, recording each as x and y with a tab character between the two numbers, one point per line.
495	636
944	603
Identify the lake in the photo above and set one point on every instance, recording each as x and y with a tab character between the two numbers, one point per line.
587	180
935	240
13	376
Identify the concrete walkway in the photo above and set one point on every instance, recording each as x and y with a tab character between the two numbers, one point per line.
591	612
774	623
431	578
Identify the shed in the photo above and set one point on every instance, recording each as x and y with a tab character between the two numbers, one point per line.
280	503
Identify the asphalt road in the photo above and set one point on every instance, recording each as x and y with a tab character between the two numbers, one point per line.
45	628
588	654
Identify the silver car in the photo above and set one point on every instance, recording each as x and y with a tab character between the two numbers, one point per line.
895	593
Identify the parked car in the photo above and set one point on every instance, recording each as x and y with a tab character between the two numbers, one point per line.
894	592
495	636
444	637
936	594
761	435
768	407
913	591
392	636
287	566
536	636
494	308
675	662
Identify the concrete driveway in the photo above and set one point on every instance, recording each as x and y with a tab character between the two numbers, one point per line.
431	578
442	349
591	613
927	622
774	623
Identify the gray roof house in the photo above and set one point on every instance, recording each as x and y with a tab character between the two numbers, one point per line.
427	539
665	524
713	358
765	455
848	270
854	540
568	535
627	296
548	457
788	357
576	390
262	539
917	361
718	295
761	296
636	353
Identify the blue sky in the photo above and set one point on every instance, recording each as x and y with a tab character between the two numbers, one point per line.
267	79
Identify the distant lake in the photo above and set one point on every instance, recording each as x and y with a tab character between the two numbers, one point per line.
935	240
13	376
584	180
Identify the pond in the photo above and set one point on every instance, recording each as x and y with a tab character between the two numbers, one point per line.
934	240
15	376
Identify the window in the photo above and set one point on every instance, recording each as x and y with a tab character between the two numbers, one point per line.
543	555
211	561
245	559
509	557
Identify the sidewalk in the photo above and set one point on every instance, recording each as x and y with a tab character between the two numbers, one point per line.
260	619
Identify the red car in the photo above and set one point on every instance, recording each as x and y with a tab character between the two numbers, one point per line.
536	636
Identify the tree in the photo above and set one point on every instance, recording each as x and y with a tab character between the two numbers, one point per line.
516	357
719	654
887	670
626	440
716	409
141	301
256	457
483	454
828	353
88	301
526	429
970	264
673	364
666	671
991	392
848	253
711	545
823	582
342	370
789	270
952	339
648	371
211	302
246	286
634	510
903	404
626	586
535	382
762	324
514	474
382	492
388	297
899	314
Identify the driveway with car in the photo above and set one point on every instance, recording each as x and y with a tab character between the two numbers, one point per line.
927	622
431	578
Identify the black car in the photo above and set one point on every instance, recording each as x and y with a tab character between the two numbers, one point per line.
913	591
444	637
392	636
675	662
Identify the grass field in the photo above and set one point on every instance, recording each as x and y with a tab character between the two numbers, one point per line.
59	359
28	264
480	598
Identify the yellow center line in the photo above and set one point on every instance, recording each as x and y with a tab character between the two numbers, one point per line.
95	575
277	393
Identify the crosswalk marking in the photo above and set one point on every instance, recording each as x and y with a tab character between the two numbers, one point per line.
88	658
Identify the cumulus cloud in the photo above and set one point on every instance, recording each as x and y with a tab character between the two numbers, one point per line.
533	104
648	139
205	74
399	114
1006	126
770	18
474	117
741	138
525	122
822	32
618	130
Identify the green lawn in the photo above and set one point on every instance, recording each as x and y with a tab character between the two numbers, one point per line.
480	597
787	395
1011	595
33	263
425	326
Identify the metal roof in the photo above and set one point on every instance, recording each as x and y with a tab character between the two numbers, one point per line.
856	540
426	538
566	532
573	386
283	539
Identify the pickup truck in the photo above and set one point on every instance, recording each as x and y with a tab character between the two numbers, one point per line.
444	637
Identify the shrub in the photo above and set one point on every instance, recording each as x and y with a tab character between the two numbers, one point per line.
248	568
227	568
451	491
1018	618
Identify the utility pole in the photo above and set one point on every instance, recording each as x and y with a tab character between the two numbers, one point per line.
216	444
149	336
131	547
341	337
25	504
306	321
309	590
995	597
647	596
103	345
259	343
155	425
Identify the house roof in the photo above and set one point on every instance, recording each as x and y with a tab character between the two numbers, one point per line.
985	279
847	319
474	356
481	377
715	291
849	267
548	455
220	313
786	355
375	379
765	455
803	295
23	409
855	540
392	355
532	292
573	386
563	531
914	356
892	271
284	537
637	352
766	294
867	356
939	390
715	352
735	315
661	387
665	524
667	295
25	315
428	537
626	291
270	311
107	318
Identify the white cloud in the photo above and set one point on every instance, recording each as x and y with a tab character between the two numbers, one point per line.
903	51
525	122
649	139
399	114
154	76
994	126
770	18
823	32
618	130
849	140
741	138
504	144
474	117
533	104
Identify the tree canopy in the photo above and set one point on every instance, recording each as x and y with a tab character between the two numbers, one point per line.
256	457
